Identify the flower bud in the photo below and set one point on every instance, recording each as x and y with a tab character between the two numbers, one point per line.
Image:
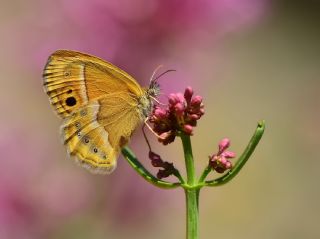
167	137
181	114
194	117
160	113
188	129
156	160
162	174
220	169
180	97
224	144
172	99
228	165
188	94
223	160
179	108
196	101
228	154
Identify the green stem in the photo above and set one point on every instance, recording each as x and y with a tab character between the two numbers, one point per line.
205	173
178	175
133	161
188	156
192	213
192	193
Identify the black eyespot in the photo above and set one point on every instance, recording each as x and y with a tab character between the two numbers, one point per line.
95	150
71	101
78	125
67	73
79	133
69	91
86	140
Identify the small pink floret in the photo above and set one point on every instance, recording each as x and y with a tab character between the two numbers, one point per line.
180	97
188	129
223	160
196	101
179	108
160	113
229	154
228	165
188	93
194	117
224	144
172	99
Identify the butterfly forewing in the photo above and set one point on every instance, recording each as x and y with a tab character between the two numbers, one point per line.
72	79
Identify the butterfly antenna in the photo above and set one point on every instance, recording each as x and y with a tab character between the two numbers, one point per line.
167	71
155	71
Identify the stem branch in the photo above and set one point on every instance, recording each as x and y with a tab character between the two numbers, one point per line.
133	161
242	159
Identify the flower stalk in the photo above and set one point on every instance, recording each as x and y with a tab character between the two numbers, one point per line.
192	192
179	120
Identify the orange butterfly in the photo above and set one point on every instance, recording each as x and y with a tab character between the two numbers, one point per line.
101	106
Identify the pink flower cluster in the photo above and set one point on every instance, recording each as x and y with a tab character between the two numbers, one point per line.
180	115
219	162
156	161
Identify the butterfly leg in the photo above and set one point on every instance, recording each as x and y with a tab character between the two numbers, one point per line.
150	128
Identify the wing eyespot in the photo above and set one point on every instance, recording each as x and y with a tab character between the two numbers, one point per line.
67	73
86	140
71	101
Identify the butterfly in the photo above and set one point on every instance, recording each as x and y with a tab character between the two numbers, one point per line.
100	104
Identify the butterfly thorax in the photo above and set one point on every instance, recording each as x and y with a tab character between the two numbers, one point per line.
145	105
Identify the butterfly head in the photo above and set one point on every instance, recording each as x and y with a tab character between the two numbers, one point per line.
151	93
154	88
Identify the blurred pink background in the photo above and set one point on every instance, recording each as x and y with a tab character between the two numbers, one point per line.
249	59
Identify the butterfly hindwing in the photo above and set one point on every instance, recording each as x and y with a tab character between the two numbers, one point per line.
87	141
95	133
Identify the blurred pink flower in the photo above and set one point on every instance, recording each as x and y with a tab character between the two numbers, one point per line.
136	35
16	213
35	196
130	200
